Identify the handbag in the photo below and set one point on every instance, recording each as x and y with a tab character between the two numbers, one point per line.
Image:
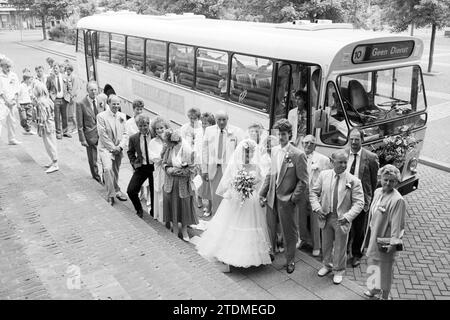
383	243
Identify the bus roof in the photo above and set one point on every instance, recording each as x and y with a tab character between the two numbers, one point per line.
317	43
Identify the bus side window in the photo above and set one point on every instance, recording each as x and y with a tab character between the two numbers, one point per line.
135	54
181	64
80	41
155	58
103	46
118	49
335	130
252	81
212	72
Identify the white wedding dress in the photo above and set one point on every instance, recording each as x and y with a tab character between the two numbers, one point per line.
237	235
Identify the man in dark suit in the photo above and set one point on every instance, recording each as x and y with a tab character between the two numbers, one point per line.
57	88
86	112
364	165
139	156
283	189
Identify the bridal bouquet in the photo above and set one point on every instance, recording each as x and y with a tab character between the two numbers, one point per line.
244	184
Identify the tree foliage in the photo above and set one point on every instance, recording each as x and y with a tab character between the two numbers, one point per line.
399	14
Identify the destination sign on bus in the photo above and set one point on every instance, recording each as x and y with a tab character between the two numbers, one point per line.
382	51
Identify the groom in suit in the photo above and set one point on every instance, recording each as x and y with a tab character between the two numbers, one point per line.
336	198
57	88
363	164
283	189
86	113
219	143
112	140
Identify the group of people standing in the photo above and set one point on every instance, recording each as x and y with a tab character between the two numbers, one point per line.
338	206
46	101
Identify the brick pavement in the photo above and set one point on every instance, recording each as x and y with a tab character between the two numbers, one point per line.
436	144
49	223
52	224
422	271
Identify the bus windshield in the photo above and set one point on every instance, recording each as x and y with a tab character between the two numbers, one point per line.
382	95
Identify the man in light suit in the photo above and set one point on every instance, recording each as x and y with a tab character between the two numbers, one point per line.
112	140
86	112
219	143
57	88
364	165
337	198
284	187
308	223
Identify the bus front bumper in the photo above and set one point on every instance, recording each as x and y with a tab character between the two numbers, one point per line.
408	186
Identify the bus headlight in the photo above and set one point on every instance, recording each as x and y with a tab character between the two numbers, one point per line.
412	165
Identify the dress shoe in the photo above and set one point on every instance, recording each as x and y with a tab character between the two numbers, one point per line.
67	135
372	293
290	267
338	276
14	142
121	196
139	213
52	168
111	201
356	262
272	257
300	244
28	133
206	213
48	165
316	253
323	271
59	136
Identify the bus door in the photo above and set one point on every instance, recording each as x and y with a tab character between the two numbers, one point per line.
296	95
90	41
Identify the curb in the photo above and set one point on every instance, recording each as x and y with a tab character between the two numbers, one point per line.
441	165
58	53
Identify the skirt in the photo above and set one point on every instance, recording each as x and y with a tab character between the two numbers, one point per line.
176	209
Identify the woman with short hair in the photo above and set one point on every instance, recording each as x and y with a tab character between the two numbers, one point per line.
178	202
204	191
192	133
384	232
157	128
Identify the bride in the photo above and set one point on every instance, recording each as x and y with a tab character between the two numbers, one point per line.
237	234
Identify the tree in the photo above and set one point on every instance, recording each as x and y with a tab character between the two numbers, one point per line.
85	7
435	13
421	13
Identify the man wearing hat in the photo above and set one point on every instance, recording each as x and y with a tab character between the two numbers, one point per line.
25	103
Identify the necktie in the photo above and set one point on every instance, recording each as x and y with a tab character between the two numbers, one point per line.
94	105
146	150
220	151
352	168
59	84
335	195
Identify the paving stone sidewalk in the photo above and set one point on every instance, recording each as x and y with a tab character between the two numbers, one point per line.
53	225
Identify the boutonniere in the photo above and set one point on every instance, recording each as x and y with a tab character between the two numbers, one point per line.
382	209
121	120
287	158
348	185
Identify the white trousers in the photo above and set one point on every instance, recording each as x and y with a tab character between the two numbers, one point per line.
9	122
111	166
50	145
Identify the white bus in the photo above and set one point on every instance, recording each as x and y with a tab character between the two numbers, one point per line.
349	78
